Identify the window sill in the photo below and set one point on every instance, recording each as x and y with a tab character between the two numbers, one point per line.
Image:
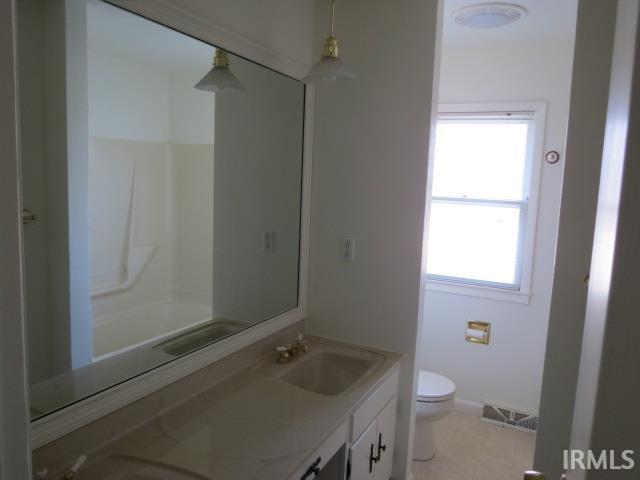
503	295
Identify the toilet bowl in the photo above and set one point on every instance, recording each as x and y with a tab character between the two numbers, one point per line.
434	400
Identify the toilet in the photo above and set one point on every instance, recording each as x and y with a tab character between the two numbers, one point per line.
434	400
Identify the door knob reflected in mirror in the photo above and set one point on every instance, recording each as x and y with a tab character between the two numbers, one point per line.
28	216
533	475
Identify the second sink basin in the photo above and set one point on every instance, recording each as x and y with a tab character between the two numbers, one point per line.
328	373
127	467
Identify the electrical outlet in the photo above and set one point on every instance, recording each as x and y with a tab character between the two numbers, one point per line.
269	241
348	250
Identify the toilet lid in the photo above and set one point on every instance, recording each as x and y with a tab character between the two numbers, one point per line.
431	385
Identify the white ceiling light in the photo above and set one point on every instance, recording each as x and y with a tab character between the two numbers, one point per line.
489	15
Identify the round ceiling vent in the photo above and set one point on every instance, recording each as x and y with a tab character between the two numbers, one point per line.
489	15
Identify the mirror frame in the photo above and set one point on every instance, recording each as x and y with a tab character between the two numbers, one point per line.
61	422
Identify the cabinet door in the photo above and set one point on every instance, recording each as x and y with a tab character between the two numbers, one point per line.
328	457
385	436
361	452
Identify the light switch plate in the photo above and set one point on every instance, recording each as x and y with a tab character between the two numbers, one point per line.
348	250
268	241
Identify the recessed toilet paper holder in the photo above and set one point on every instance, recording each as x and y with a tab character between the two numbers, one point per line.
477	332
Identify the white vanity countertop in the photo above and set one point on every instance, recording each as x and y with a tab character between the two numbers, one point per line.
253	425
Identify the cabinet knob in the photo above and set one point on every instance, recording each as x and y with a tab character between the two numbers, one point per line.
372	459
314	469
381	447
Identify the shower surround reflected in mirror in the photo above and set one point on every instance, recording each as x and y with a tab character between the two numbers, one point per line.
166	217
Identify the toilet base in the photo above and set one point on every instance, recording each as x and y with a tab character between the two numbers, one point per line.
424	445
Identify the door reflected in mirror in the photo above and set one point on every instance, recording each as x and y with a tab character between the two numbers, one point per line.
161	217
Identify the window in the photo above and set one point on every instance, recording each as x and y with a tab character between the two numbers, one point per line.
481	216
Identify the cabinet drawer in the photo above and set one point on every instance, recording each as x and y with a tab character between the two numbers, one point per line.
368	411
324	452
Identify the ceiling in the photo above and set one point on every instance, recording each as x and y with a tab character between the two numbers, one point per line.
547	20
124	35
121	34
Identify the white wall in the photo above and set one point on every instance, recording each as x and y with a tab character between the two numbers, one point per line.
258	173
192	129
509	370
129	130
191	111
130	178
129	101
137	101
192	223
151	152
371	140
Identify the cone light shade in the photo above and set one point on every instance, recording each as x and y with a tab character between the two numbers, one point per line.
330	68
220	79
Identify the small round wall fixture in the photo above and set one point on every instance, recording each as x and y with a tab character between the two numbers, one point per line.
489	15
552	157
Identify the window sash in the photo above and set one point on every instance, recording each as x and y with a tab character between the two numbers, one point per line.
527	116
522	228
501	118
488	117
486	202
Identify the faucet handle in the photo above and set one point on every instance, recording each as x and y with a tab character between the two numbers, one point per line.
41	474
75	467
304	348
284	355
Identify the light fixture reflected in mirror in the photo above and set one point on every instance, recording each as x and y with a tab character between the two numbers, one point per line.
220	79
330	68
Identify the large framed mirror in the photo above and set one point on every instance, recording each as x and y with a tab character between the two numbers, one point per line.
162	195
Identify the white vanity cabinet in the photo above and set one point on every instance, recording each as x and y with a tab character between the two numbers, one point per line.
371	455
372	433
362	447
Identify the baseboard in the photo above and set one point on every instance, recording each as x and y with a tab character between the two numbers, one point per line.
465	406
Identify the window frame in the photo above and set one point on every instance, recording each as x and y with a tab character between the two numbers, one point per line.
531	179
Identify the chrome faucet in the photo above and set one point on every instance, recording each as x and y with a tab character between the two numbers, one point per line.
286	353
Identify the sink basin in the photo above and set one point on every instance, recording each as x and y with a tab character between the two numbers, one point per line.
328	373
127	467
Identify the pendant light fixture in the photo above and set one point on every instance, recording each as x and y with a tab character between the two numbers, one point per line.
330	68
220	79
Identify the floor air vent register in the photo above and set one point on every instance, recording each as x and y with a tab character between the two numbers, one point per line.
509	417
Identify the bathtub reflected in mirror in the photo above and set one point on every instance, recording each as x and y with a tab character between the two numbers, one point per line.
165	217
